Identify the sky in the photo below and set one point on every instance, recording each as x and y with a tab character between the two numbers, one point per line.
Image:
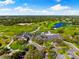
39	7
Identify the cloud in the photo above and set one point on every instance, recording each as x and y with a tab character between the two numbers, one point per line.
7	2
21	10
70	12
59	7
4	9
29	11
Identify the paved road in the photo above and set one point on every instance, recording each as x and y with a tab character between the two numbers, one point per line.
39	47
12	40
72	51
36	30
71	45
8	46
60	56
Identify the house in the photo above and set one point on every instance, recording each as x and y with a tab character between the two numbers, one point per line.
48	35
43	36
24	36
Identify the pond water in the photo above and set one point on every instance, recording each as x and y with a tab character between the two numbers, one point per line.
58	25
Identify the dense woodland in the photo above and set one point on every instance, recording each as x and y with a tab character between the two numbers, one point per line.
11	20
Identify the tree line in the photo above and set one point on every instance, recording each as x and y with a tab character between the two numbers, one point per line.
11	20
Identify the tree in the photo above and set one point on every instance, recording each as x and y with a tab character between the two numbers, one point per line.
33	54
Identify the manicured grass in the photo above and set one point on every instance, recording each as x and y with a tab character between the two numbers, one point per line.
16	45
